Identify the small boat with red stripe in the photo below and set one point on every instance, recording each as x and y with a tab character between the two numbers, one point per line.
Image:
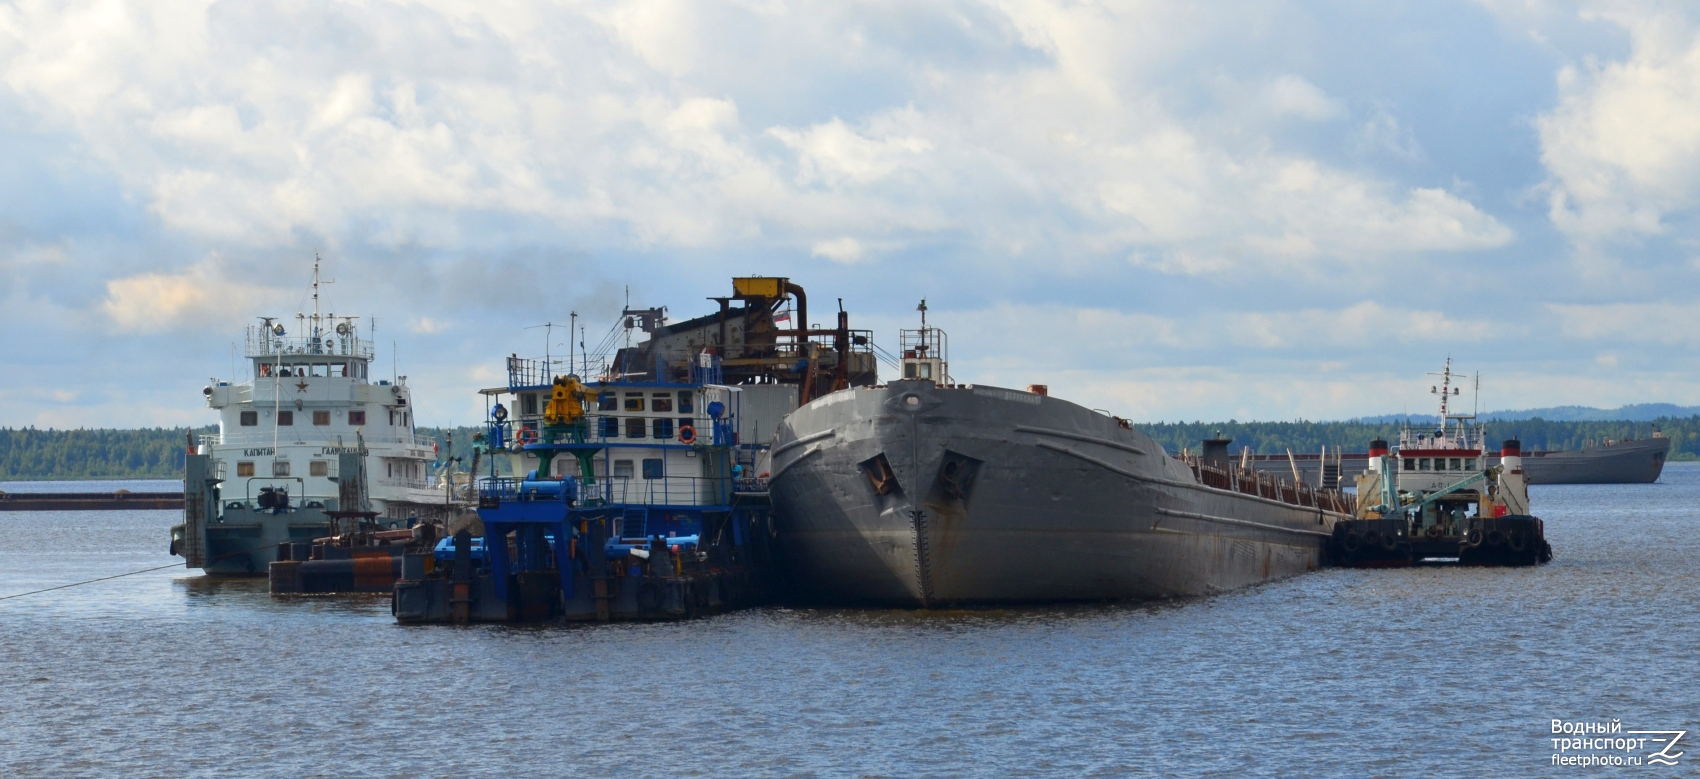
1435	499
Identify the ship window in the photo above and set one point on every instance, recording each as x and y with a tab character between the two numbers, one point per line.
634	401
283	372
318	468
607	402
1422	463
285	418
528	404
1410	463
357	417
685	403
652	469
1454	464
909	370
610	427
661	402
1469	463
663	428
924	370
321	369
622	469
280	467
634	427
321	418
250	418
244	469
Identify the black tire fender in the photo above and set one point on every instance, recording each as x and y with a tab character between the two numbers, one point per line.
649	595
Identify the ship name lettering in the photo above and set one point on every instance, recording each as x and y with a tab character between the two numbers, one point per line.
266	451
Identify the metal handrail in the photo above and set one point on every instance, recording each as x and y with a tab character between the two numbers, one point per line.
665	490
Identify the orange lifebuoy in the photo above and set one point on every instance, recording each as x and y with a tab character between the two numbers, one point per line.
527	436
687	434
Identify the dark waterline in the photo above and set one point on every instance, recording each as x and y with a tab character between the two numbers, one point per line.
1420	672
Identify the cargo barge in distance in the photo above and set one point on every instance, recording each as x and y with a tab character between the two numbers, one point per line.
927	493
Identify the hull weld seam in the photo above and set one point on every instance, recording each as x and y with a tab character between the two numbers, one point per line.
812	451
1244	522
808	439
1079	437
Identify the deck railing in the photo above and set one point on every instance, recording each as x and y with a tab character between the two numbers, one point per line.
660	491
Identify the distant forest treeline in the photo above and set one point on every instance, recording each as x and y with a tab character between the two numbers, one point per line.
157	453
148	453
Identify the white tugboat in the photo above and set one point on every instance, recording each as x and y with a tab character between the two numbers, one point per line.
1436	498
271	473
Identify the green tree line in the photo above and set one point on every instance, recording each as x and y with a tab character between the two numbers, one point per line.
149	453
157	453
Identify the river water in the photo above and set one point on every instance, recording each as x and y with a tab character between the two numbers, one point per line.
1417	672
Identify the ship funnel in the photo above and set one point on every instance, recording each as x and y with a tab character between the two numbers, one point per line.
1377	448
1214	451
1511	455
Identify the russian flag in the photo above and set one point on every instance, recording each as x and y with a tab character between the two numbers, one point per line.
783	316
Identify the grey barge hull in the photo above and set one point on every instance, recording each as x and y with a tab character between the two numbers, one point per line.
918	495
1622	462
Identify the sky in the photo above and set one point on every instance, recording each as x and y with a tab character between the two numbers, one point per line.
1168	210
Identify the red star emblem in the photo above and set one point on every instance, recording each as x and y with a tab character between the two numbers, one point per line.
302	387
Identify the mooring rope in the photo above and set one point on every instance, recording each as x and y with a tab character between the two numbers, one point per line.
132	573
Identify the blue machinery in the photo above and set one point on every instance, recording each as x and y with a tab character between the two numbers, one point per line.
627	545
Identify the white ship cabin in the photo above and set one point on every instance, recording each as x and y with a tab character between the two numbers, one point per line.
307	398
653	436
1429	460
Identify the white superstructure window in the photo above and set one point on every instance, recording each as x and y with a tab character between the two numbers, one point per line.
245	469
319	468
280	467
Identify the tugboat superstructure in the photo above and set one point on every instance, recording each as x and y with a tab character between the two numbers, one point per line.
270	475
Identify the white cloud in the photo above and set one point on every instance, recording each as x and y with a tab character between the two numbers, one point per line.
1628	323
1291	95
845	250
234	127
200	295
1623	143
